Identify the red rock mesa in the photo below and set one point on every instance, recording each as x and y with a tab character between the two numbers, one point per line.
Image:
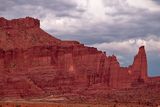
34	63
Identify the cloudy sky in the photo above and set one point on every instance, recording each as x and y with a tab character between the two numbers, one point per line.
114	26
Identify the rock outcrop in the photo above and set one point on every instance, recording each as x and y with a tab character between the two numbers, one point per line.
35	63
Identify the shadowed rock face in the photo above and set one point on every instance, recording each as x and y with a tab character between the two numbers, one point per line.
34	63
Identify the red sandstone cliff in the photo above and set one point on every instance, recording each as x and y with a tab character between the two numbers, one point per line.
34	63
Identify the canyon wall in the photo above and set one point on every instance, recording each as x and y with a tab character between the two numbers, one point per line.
34	63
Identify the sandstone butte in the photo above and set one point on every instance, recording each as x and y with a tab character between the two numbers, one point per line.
34	64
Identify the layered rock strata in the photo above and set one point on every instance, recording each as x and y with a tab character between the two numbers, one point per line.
34	63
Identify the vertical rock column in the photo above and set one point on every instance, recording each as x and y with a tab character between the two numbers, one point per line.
114	71
139	66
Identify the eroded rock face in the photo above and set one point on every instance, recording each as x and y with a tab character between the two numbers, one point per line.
45	65
22	23
140	64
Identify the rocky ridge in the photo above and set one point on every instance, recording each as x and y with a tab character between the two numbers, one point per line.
35	64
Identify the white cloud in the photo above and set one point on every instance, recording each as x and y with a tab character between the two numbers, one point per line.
131	45
144	4
96	12
60	25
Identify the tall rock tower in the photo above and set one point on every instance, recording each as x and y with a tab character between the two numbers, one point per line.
140	66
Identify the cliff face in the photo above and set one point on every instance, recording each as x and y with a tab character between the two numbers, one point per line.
47	65
23	33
